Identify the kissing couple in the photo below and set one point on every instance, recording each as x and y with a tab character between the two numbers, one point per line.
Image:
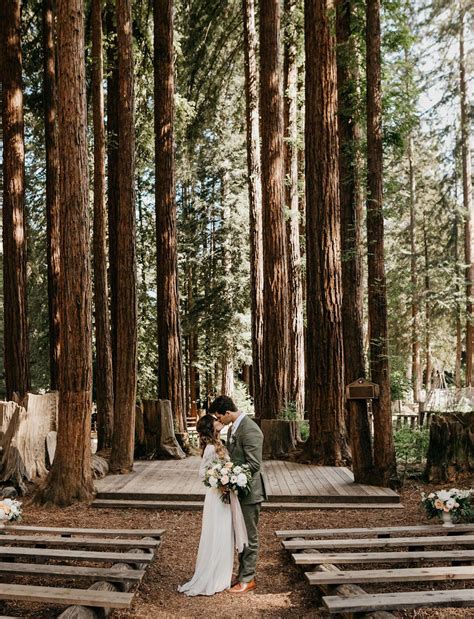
233	524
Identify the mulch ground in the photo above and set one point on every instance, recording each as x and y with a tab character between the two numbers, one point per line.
282	590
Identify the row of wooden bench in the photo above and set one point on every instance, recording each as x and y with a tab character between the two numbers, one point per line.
325	550
138	549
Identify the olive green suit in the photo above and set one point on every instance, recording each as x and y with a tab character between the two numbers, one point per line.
245	447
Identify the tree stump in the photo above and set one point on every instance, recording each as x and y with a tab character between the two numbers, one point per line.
280	438
155	432
451	448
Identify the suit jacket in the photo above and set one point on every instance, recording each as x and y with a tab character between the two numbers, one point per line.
245	447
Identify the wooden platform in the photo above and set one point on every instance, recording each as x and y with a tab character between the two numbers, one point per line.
286	482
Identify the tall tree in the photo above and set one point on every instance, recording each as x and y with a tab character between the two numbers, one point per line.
170	377
125	370
275	269
467	198
104	375
384	451
112	163
17	374
295	287
351	223
70	477
52	183
325	369
255	199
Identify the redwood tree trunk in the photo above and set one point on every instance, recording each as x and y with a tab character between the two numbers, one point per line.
351	223
170	384
295	289
17	374
70	476
325	373
255	199
467	200
275	271
384	452
112	175
52	184
125	371
104	375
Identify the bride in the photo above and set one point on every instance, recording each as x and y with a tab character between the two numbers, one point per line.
220	528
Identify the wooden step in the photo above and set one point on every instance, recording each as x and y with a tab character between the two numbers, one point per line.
72	571
403	575
74	531
431	556
60	595
76	555
57	540
400	600
374	531
439	540
197	505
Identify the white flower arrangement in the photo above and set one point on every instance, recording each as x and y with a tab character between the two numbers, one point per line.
227	477
10	510
455	502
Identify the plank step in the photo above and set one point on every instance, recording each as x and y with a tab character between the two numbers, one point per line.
57	540
72	571
373	531
77	555
399	600
61	595
438	540
85	531
402	575
432	556
197	505
275	498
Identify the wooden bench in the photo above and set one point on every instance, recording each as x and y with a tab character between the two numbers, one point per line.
72	571
375	531
445	540
58	540
383	557
423	574
63	596
76	555
397	601
66	531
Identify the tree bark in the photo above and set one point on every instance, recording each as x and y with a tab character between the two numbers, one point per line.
70	476
52	184
125	385
457	269
17	373
275	270
324	344
255	199
384	451
295	288
104	374
112	174
351	223
450	455
427	295
170	383
467	199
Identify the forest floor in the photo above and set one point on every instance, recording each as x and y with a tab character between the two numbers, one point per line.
281	587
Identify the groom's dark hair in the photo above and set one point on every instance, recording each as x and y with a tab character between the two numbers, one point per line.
222	404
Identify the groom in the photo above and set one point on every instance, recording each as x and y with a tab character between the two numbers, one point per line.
244	444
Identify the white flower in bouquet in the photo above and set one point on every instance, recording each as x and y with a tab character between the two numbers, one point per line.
450	504
213	482
224	480
242	480
228	465
430	496
233	479
444	495
237	469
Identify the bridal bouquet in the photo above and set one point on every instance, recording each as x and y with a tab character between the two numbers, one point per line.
10	510
454	502
228	477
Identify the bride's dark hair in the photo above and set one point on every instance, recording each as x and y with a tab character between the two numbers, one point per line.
205	429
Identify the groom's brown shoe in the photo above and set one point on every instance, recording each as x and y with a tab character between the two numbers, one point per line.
243	587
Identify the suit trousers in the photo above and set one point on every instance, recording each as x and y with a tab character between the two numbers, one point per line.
248	558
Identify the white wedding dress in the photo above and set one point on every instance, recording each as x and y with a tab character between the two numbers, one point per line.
215	557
